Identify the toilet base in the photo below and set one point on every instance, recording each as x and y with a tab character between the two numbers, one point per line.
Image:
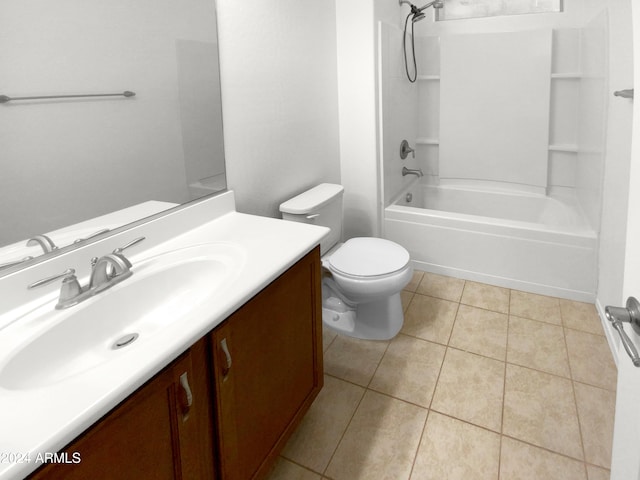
377	320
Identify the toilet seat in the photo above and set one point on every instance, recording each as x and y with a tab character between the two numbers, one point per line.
362	278
368	257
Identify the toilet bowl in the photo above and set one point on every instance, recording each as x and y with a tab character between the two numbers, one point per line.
362	277
362	282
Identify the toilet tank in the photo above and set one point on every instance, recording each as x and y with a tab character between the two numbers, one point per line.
322	205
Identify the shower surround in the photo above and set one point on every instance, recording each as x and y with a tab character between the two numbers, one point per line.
512	156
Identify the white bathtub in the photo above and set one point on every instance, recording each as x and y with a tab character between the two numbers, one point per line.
522	241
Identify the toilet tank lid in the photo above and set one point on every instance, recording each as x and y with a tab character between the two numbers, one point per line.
313	199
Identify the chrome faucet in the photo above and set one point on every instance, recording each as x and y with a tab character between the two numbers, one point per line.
45	242
109	270
106	271
407	171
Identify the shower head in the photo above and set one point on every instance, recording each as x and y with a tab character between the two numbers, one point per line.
416	14
417	17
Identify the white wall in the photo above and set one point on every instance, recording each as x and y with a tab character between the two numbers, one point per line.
280	99
575	155
494	108
361	147
632	259
611	263
357	97
625	458
592	114
398	112
398	102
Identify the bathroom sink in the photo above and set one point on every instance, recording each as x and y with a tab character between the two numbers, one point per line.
162	290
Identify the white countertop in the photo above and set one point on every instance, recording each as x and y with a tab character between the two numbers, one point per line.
45	419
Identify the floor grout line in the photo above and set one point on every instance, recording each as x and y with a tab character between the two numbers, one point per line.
415	455
504	388
324	472
575	398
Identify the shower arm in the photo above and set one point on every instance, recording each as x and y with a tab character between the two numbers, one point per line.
414	9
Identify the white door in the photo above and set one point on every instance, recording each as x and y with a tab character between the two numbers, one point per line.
625	463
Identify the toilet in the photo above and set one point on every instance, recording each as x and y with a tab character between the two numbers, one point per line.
362	277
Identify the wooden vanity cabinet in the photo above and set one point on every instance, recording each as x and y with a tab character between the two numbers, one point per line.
250	381
162	431
267	360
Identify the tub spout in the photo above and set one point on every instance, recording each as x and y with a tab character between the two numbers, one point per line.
408	171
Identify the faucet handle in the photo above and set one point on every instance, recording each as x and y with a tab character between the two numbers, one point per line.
89	237
133	242
121	264
69	289
68	273
405	150
118	251
15	262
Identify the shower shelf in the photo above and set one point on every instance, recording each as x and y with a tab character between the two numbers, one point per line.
568	76
559	76
558	147
565	147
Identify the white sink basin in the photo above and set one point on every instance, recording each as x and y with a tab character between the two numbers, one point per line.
162	290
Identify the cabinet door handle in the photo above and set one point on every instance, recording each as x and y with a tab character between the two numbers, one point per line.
227	354
187	401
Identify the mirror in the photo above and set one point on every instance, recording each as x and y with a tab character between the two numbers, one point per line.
81	165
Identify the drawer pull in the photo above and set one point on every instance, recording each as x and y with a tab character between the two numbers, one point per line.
187	401
227	354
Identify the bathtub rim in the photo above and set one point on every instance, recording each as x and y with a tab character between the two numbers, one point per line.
585	232
490	225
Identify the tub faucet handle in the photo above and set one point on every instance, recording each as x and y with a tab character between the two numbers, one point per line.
405	150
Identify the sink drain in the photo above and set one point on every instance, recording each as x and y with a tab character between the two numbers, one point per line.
125	340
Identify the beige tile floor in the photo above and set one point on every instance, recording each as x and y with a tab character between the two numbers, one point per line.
481	383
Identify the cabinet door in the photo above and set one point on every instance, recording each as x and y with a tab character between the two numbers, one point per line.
268	369
161	432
